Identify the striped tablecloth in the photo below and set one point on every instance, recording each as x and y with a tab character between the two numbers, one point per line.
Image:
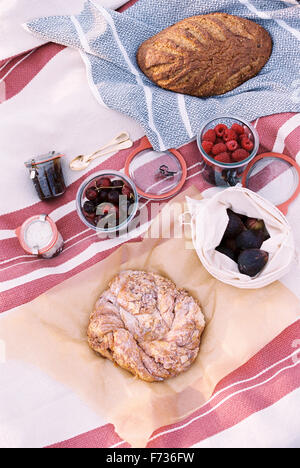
45	103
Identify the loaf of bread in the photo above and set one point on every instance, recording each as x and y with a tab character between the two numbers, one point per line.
206	55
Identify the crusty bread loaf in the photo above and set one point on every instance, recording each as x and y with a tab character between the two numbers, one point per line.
206	55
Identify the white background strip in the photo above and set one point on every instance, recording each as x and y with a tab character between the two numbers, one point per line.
274	427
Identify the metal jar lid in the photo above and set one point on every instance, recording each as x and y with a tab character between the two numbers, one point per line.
42	159
275	177
38	234
156	175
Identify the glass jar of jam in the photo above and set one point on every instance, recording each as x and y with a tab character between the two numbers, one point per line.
47	175
39	236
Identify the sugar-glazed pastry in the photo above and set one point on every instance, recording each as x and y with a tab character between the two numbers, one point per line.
147	326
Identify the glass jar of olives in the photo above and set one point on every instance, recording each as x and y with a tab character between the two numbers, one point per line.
47	175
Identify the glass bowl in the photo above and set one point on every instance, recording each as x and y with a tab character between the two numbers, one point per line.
223	174
91	183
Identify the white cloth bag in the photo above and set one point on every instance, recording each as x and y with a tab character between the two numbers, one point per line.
210	220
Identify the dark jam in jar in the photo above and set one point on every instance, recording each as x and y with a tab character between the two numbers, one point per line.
47	175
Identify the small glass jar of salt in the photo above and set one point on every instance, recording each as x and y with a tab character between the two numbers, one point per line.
39	236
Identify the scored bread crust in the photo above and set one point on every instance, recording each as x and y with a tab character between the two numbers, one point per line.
147	326
205	55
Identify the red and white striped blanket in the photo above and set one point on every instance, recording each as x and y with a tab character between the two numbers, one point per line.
45	103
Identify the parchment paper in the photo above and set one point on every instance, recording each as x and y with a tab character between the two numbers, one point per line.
50	332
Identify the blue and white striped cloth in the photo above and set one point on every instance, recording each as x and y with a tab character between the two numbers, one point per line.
109	40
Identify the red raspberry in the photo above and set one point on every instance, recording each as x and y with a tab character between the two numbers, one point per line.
247	144
240	155
220	129
207	146
219	148
210	135
238	129
223	158
232	145
229	135
219	140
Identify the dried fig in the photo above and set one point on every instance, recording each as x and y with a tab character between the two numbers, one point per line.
225	251
266	234
255	224
243	217
235	225
250	240
251	262
230	244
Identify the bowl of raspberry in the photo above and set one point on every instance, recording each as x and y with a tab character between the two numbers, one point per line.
227	145
107	202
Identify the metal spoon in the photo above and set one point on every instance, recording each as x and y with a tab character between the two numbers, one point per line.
121	141
82	163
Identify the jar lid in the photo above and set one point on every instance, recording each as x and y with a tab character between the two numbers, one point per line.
275	177
42	159
156	175
37	234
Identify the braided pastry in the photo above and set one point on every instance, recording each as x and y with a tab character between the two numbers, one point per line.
146	325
